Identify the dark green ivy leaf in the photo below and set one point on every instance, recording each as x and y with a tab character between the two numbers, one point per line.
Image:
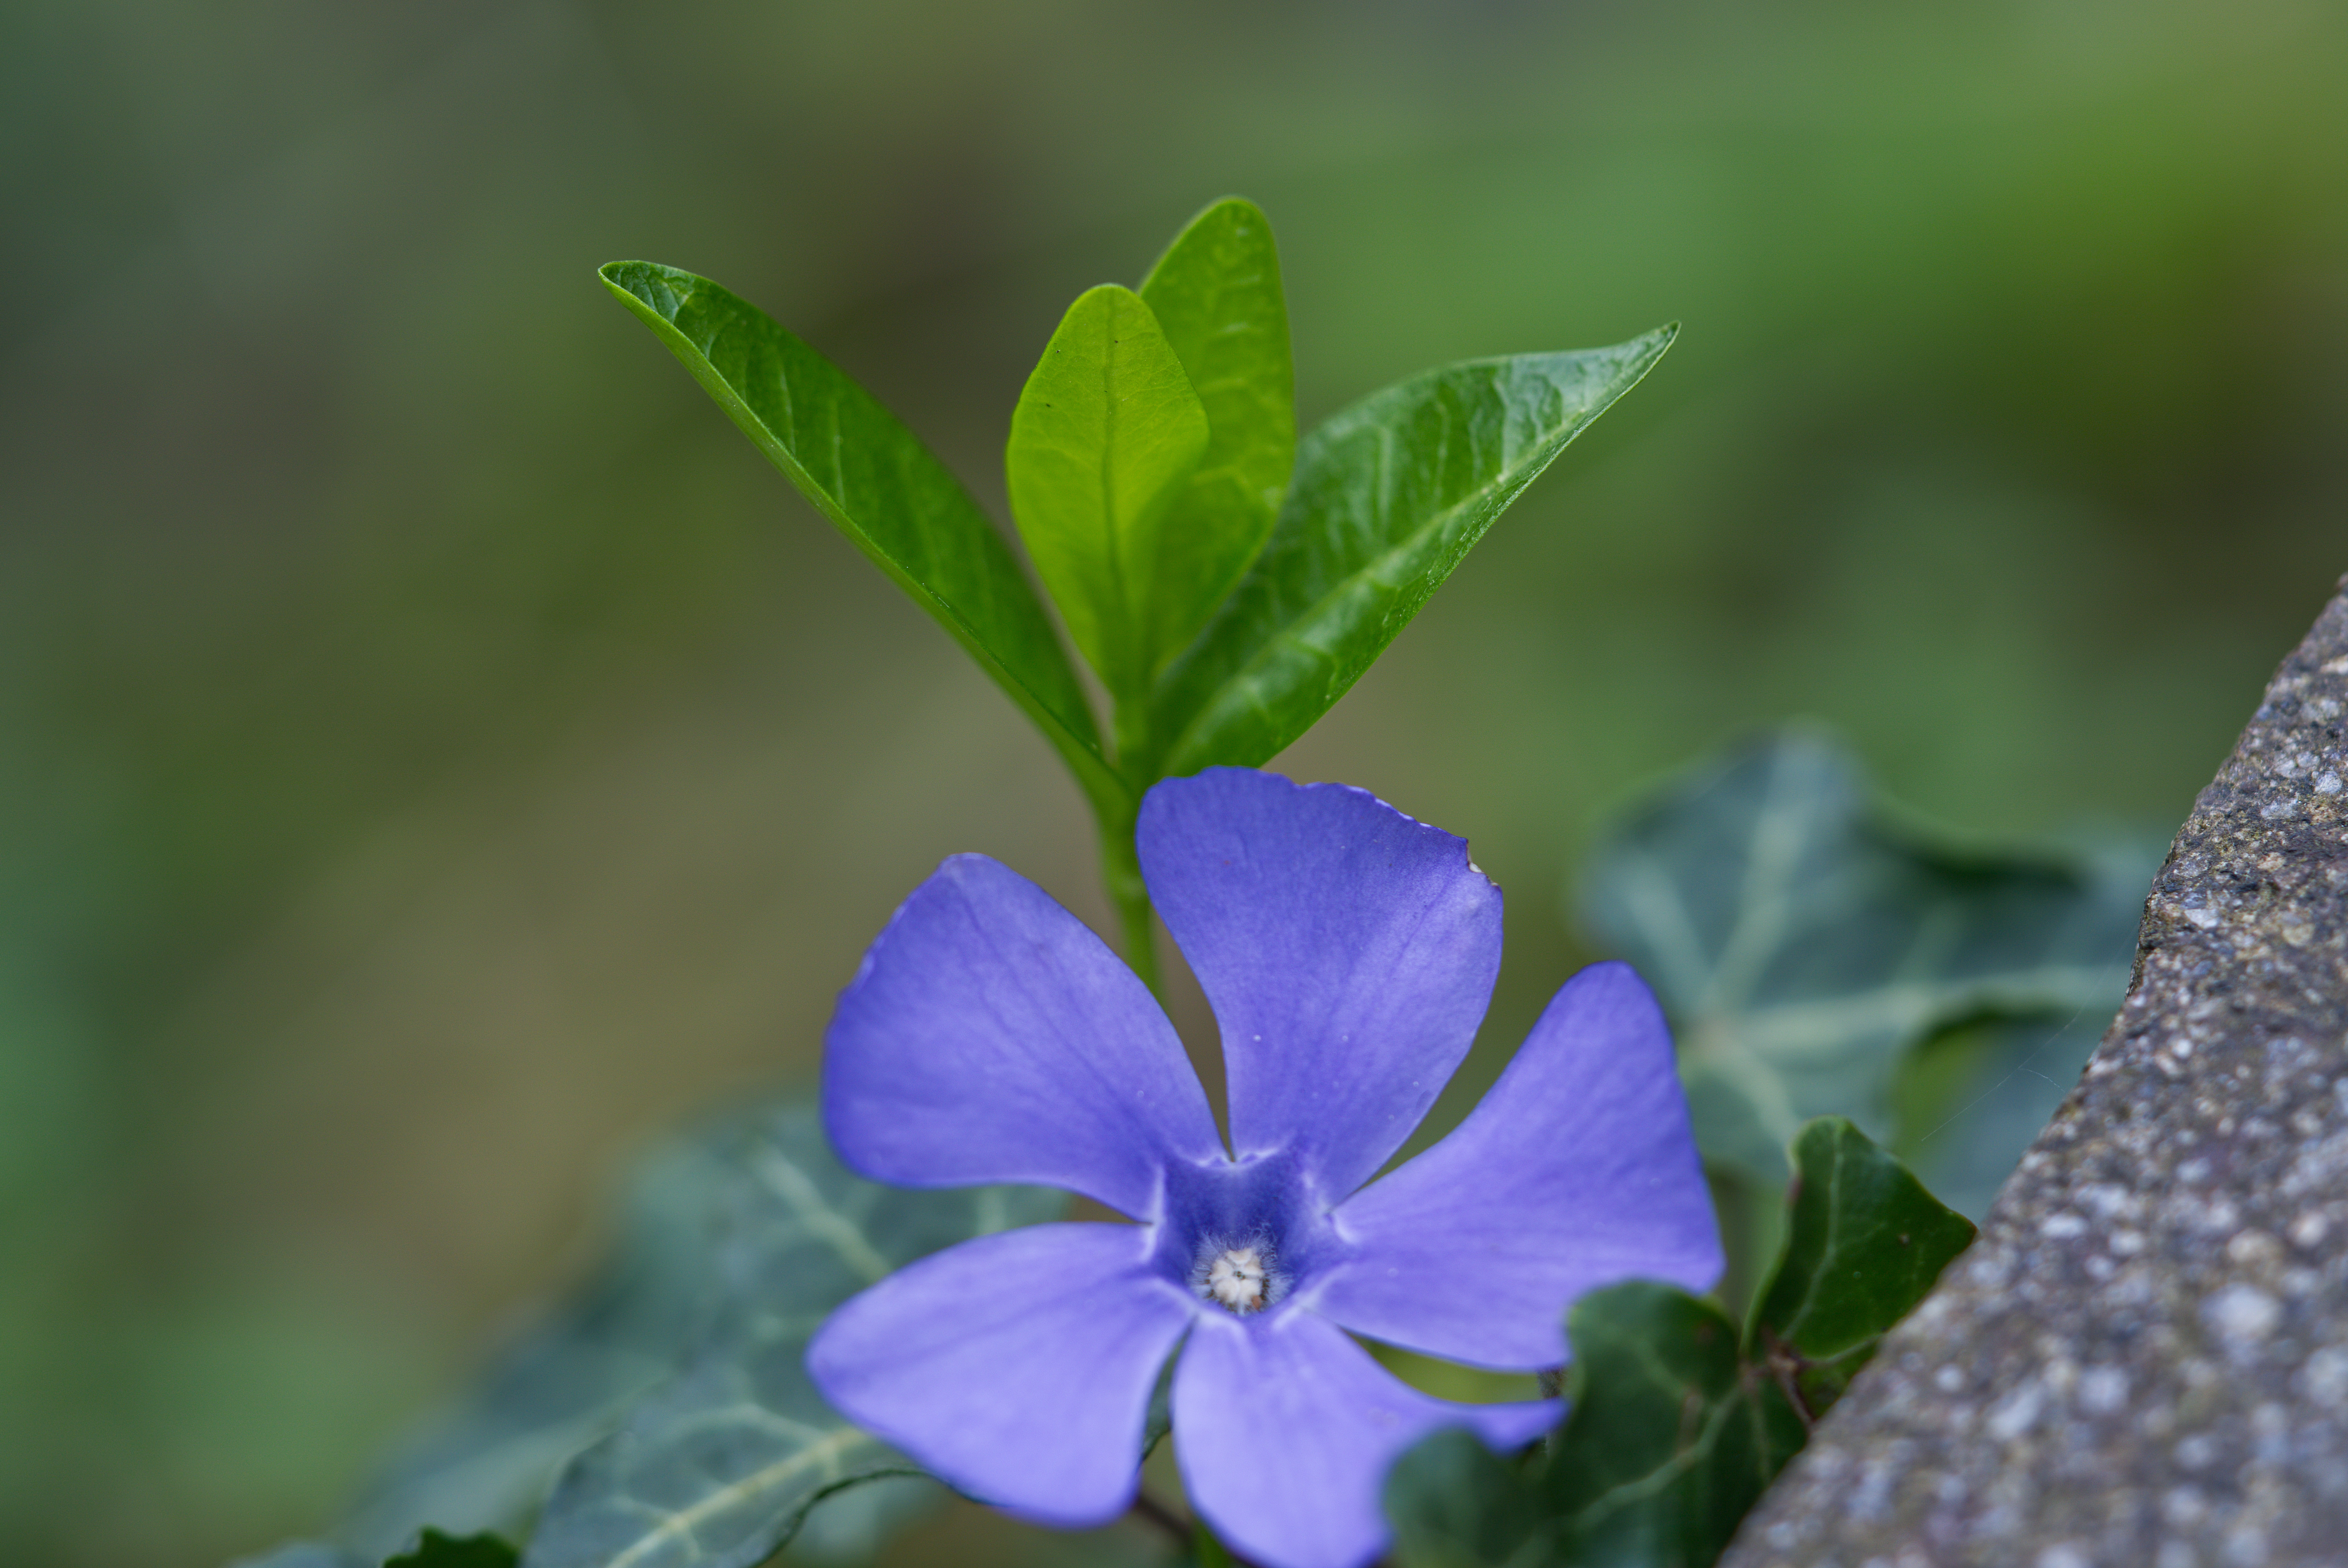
1801	944
734	1243
1389	497
1455	1503
1677	1423
1206	1552
438	1551
1865	1242
880	487
432	1550
1217	296
1672	1436
719	1467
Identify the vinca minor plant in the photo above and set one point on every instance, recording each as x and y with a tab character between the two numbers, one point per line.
1349	953
1226	582
819	1312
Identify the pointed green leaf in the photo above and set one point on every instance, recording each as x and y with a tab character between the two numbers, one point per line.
1216	293
1389	497
880	487
1106	433
1865	1243
1800	944
719	1466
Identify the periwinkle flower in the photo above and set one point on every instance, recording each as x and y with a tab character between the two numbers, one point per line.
1349	953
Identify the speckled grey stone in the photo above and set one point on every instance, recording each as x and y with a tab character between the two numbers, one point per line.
2144	1361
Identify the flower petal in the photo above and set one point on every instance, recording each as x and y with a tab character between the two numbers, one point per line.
1285	1430
990	1036
1578	1170
1348	950
1017	1368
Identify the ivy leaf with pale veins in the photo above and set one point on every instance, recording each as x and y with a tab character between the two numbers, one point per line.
1865	1243
667	1307
1801	944
880	487
488	1463
1387	498
719	1467
1216	293
1107	433
1972	1099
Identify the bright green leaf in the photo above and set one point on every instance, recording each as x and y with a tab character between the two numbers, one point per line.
1865	1242
882	489
1801	944
438	1551
1106	433
719	1467
1389	497
1216	293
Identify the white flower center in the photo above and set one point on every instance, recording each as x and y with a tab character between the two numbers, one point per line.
1236	1279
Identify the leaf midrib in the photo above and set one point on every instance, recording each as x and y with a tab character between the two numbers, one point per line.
783	1177
1775	1033
1100	781
1287	634
1114	525
1830	1250
682	1522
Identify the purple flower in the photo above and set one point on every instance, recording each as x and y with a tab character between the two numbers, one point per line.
1349	954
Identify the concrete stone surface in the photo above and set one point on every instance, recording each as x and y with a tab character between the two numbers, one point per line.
2144	1359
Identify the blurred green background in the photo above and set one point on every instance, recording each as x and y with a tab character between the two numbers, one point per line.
437	754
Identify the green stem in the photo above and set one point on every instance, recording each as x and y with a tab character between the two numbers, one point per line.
1121	874
1120	865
